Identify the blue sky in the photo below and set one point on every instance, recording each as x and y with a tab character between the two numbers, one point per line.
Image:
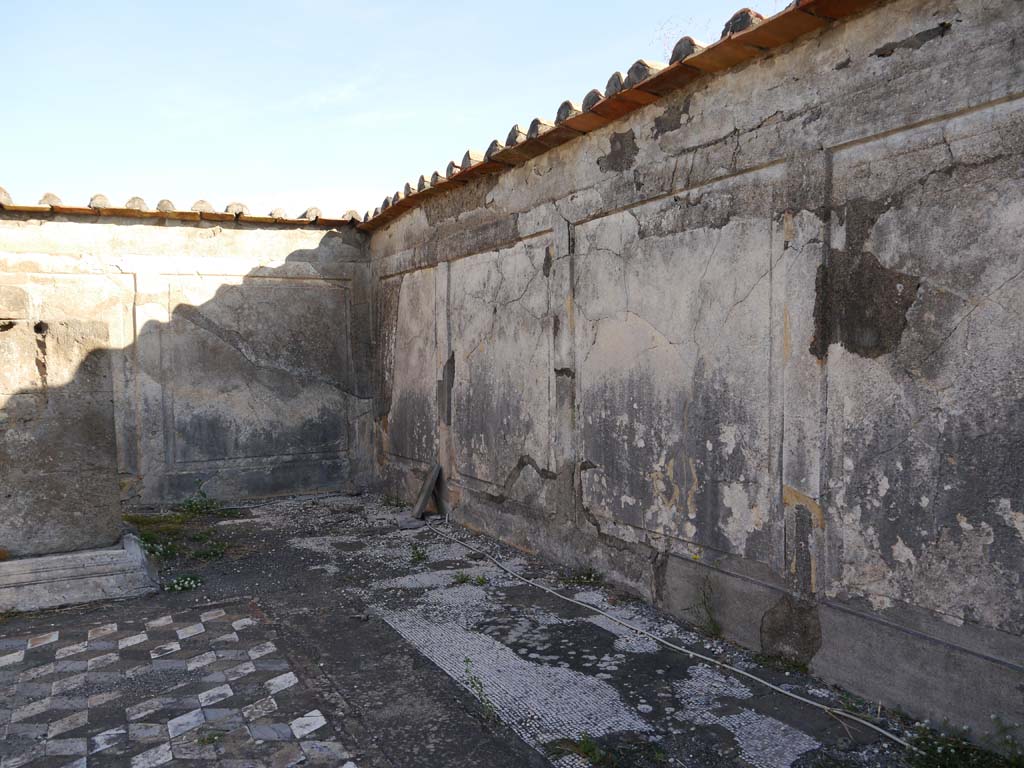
295	104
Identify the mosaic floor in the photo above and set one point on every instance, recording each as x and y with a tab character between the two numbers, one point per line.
328	634
209	688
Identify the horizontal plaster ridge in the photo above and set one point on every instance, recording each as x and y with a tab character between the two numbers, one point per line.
746	36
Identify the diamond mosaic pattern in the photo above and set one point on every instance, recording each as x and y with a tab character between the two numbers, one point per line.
206	688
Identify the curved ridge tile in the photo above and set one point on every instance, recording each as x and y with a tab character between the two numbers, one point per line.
538	127
165	206
593	96
49	199
686	46
238	209
310	214
741	20
640	71
515	136
98	201
614	84
471	158
5	199
201	206
492	149
136	204
566	110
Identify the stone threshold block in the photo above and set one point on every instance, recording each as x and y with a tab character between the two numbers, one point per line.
77	577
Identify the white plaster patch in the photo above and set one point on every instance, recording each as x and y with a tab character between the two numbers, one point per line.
727	436
764	741
1012	518
902	553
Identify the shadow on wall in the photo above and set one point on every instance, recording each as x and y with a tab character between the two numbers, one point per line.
246	386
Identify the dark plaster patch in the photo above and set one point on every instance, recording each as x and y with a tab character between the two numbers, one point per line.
6	326
914	42
40	329
671	119
842	64
860	304
623	152
549	260
386	310
444	390
791	629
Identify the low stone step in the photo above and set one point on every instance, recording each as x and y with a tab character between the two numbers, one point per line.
77	577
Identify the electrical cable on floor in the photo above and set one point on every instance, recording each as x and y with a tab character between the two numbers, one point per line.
838	713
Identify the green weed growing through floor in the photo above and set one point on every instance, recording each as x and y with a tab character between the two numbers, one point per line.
213	551
417	554
183	584
461	578
476	685
199	504
703	611
625	754
584	577
781	663
949	748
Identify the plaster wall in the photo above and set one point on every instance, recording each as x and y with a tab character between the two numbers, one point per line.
143	361
760	340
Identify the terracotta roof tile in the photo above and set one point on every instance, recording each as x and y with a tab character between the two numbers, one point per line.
745	36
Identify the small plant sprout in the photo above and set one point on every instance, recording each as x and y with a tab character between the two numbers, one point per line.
476	685
184	584
418	554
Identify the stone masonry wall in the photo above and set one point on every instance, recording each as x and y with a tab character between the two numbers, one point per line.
141	361
760	340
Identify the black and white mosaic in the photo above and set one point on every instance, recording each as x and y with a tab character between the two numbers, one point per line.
201	688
